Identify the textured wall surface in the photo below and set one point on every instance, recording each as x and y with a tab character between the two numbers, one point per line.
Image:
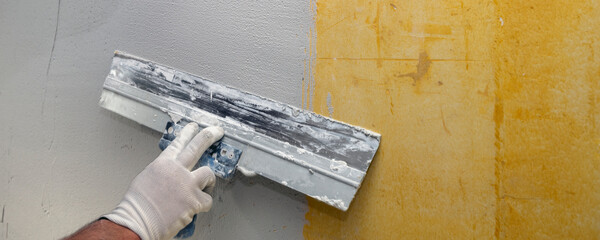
488	113
64	160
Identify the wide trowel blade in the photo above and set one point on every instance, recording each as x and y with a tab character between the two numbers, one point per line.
318	156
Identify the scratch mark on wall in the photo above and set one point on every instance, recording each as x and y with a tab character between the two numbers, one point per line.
468	29
379	37
422	68
3	210
444	122
51	56
462	188
387	91
498	121
54	40
10	144
53	132
397	59
329	105
45	203
506	196
335	24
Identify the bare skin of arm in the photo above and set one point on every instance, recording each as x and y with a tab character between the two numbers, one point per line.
103	229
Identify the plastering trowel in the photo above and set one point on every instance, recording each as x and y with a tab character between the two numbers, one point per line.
318	156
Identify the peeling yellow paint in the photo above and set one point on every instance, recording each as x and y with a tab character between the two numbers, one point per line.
487	110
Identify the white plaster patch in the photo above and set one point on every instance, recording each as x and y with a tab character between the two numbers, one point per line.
333	202
246	172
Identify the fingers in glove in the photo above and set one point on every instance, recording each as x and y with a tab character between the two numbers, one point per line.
205	178
185	136
204	201
192	152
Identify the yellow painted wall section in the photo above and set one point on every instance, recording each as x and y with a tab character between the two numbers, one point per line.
487	110
548	75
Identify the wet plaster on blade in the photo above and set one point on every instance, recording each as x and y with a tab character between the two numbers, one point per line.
53	173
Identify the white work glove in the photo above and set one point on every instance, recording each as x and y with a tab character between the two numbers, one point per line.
164	197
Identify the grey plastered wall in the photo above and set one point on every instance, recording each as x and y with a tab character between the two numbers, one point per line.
64	161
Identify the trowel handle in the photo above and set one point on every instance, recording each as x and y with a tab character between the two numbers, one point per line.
221	158
188	230
171	131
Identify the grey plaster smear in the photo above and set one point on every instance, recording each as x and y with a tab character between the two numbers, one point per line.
73	161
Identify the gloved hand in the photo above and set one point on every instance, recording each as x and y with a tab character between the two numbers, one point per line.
164	197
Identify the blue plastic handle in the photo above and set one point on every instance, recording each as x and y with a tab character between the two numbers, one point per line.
220	157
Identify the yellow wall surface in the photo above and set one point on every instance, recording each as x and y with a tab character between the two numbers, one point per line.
487	110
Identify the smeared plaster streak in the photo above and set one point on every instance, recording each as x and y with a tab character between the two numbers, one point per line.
329	105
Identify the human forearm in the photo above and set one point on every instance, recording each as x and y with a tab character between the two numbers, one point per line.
103	229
